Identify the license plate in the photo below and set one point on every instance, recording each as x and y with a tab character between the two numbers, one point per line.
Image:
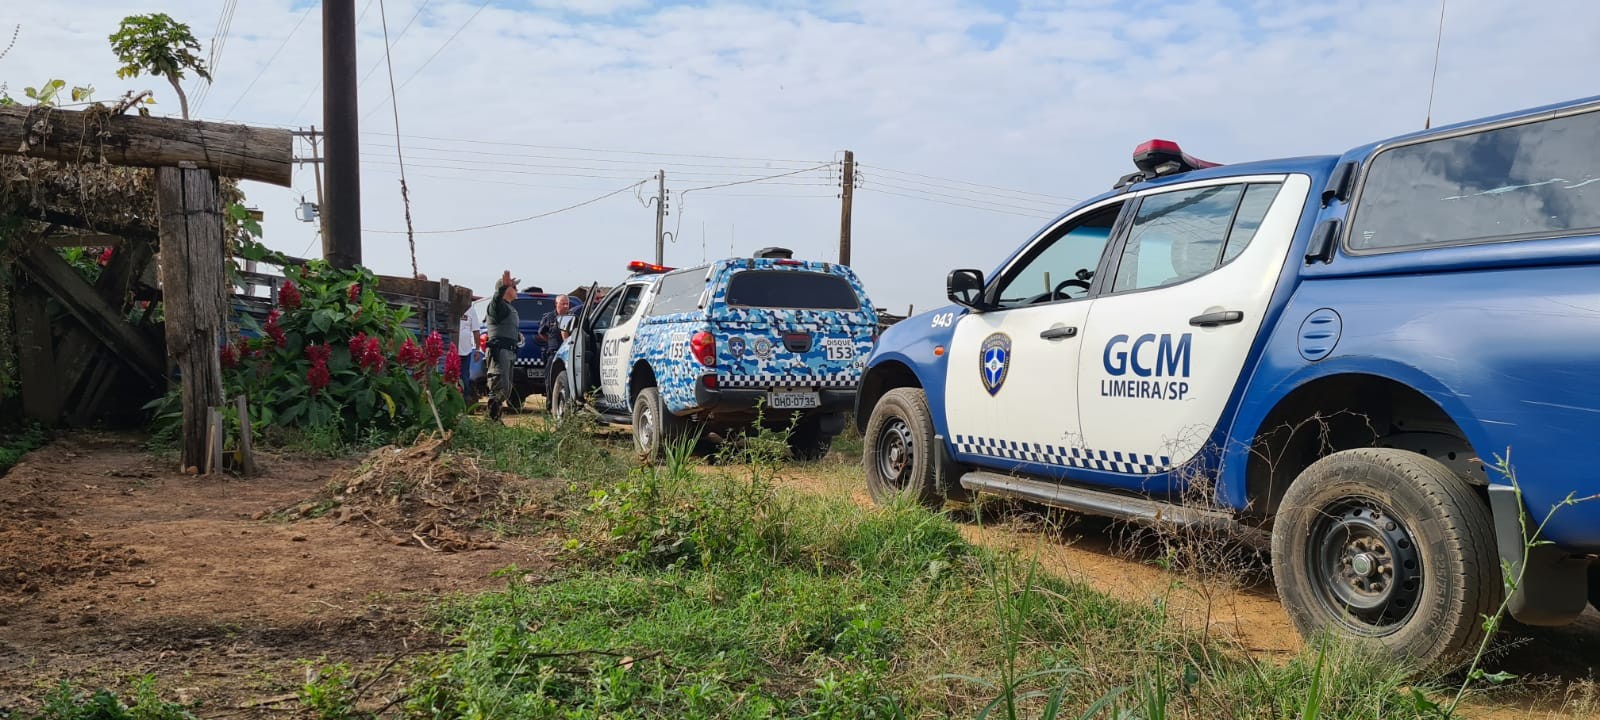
535	373
792	399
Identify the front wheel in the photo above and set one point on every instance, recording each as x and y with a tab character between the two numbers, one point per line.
900	457
1389	548
560	397
655	428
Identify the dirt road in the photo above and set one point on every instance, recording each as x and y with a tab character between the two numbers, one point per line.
112	566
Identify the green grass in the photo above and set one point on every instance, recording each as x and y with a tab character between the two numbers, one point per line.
14	445
719	594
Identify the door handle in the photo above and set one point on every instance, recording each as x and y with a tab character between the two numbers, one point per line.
1059	333
1214	319
625	338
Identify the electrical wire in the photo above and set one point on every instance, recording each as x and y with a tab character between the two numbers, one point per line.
270	60
1067	198
604	150
318	84
219	38
628	171
681	204
405	192
435	54
655	163
612	174
574	206
390	46
963	198
954	204
963	192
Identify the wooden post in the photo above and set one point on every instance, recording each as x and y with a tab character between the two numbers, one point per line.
195	288
247	458
41	393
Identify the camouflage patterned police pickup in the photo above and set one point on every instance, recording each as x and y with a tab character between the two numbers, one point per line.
717	347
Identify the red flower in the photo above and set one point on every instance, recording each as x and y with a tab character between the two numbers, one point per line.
358	344
275	332
289	295
229	356
452	368
410	355
432	350
355	293
318	376
105	257
318	354
372	356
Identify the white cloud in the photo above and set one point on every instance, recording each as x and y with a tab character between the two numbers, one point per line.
1051	99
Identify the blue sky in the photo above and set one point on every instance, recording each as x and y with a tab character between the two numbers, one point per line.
973	121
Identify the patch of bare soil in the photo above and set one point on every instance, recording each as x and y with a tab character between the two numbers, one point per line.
1558	668
133	568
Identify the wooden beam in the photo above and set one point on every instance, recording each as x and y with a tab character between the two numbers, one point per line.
195	290
88	239
107	323
96	135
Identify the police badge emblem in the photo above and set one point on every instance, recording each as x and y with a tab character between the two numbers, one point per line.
994	361
736	346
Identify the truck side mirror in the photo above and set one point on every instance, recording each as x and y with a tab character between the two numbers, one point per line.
965	288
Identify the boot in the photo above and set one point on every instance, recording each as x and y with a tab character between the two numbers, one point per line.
494	409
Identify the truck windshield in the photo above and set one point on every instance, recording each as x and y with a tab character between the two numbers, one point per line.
792	290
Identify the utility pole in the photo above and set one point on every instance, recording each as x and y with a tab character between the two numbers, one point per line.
661	214
341	239
316	171
844	210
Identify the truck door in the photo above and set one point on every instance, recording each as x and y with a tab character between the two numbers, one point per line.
583	378
1168	338
616	349
1011	387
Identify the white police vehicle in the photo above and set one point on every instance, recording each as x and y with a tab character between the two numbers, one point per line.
1334	350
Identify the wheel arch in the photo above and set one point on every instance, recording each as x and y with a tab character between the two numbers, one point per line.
640	376
1338	411
879	379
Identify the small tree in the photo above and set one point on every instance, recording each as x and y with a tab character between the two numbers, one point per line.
158	45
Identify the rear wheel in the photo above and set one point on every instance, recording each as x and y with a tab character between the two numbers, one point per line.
1390	548
807	442
900	456
654	428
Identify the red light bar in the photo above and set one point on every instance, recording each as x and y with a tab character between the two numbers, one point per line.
1164	157
640	266
788	262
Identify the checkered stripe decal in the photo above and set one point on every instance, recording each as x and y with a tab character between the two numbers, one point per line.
1107	460
768	380
528	362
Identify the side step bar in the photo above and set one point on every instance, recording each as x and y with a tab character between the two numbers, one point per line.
1097	502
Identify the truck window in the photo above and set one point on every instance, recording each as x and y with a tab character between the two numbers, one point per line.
1075	247
533	309
791	289
1536	179
630	303
679	292
1177	236
1252	210
605	315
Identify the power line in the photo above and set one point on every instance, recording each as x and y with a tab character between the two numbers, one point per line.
604	150
651	163
390	46
962	198
954	204
270	60
318	84
218	40
682	195
435	54
1067	198
405	192
575	206
1052	203
613	173
628	171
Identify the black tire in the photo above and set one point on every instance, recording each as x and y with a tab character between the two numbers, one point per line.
655	429
807	443
1389	548
900	456
560	403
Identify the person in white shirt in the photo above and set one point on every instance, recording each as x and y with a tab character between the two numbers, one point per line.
466	344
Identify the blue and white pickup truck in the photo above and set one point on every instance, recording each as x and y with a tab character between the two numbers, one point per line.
720	346
1365	355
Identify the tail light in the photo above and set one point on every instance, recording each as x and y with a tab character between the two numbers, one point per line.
703	345
710	381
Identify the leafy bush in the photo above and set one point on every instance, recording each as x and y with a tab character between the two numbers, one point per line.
334	359
67	702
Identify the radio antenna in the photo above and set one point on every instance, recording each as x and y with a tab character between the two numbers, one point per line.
1427	121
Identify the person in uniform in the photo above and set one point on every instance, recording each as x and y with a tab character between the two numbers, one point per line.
504	336
556	325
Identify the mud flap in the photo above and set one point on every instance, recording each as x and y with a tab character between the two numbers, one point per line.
1554	588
